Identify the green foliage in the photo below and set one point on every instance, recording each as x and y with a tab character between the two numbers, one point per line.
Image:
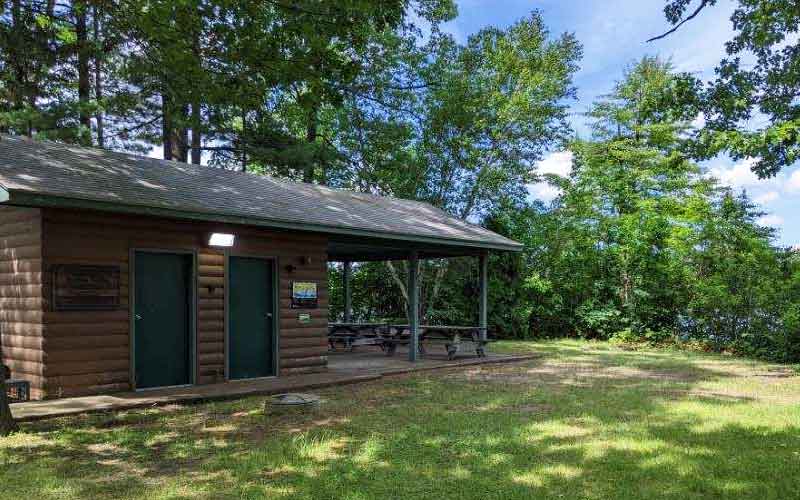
641	246
375	296
758	78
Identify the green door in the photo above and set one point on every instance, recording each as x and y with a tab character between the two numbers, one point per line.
251	337
162	316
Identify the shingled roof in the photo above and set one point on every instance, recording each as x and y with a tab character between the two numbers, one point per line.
41	173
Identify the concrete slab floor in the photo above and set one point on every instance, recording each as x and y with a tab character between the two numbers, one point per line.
361	365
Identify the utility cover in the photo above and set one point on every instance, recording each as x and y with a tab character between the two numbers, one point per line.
295	399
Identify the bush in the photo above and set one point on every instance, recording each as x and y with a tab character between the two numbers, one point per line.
648	336
598	322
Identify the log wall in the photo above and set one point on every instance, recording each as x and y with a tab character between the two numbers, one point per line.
88	352
21	295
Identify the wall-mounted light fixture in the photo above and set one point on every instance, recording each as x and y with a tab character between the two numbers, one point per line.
221	240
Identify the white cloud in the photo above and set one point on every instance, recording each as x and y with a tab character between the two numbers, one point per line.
783	188
559	163
738	176
544	191
767	197
771	220
699	121
793	184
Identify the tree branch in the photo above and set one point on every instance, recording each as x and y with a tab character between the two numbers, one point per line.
703	5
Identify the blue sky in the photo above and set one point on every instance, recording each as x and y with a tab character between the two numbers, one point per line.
613	34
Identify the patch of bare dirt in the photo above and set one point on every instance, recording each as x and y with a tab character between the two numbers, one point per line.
570	372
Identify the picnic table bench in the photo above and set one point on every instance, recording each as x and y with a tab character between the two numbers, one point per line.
351	335
454	338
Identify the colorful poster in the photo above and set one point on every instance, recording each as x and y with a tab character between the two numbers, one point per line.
304	294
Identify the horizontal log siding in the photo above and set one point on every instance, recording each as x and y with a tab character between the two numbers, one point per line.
21	295
210	316
88	352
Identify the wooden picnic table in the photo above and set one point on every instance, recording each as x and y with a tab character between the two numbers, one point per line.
355	334
454	338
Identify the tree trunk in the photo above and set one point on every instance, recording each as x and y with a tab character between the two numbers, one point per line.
438	277
84	81
19	88
7	423
197	117
311	139
179	133
243	139
401	283
180	140
196	134
166	125
98	77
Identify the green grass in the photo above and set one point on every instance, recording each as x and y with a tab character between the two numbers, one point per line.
585	420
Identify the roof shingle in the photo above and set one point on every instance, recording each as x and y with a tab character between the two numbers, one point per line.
41	170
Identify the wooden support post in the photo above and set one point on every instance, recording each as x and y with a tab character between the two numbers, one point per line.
413	307
483	262
347	274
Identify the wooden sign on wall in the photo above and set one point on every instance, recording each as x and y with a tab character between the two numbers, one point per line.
78	287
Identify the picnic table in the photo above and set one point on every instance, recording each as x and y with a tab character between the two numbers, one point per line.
454	338
351	335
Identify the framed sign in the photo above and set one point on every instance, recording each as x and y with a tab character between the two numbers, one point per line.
78	287
304	294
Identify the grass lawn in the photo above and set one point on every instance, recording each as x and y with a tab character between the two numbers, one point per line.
586	420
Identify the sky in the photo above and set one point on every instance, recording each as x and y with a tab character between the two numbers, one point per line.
614	34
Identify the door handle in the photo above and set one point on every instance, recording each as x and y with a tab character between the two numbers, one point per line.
268	315
137	317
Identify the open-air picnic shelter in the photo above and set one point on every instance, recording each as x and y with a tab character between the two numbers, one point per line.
126	273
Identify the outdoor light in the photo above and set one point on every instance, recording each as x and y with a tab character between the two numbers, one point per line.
221	240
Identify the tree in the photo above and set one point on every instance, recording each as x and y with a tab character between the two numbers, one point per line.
7	423
459	126
737	289
493	108
27	35
626	201
760	78
643	245
233	82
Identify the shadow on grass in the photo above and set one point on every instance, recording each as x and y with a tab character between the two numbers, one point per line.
579	423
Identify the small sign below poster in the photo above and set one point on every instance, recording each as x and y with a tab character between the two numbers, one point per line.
304	295
85	288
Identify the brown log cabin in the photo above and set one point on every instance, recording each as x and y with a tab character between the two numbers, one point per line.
120	272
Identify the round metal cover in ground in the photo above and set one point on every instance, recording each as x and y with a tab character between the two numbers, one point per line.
295	400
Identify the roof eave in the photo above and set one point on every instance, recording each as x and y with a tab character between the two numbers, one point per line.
24	198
